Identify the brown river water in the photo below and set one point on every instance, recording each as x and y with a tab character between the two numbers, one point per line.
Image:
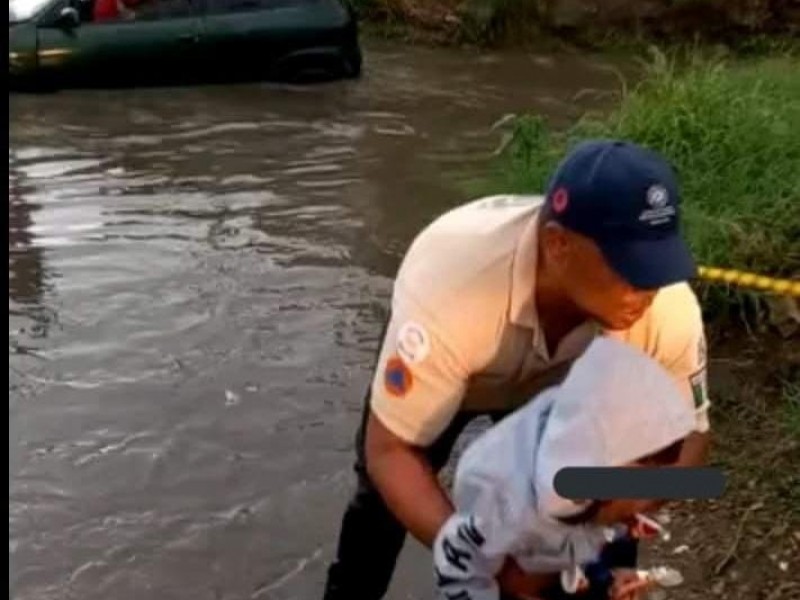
197	283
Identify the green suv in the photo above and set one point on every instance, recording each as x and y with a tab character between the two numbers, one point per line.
108	43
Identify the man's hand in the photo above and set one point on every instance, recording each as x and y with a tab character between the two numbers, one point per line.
516	583
406	481
628	585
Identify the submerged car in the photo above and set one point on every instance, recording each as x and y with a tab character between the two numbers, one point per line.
109	43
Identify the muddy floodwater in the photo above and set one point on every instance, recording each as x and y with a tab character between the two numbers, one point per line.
197	283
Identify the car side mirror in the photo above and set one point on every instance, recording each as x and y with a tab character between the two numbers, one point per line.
68	18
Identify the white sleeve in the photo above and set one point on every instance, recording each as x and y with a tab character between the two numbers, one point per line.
493	512
463	568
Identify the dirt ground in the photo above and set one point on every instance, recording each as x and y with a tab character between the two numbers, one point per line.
745	545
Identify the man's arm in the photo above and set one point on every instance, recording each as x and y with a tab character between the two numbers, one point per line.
417	389
405	479
411	490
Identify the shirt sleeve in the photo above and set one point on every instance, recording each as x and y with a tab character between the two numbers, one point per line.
672	332
463	568
420	378
689	368
494	517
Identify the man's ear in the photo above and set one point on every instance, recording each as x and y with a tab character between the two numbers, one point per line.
555	241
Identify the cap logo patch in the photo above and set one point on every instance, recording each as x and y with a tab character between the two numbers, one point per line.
660	211
657	196
397	377
560	200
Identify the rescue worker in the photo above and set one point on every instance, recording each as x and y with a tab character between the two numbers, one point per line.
491	304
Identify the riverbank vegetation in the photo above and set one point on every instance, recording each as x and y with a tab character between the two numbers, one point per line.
745	24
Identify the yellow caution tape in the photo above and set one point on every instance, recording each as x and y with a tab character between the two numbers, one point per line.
785	287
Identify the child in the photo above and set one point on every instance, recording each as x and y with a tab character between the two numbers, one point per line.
616	407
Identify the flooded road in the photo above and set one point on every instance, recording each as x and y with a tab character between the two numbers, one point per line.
197	284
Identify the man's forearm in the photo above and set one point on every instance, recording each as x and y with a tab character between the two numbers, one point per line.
408	485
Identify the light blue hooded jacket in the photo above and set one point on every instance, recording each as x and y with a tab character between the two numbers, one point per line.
615	406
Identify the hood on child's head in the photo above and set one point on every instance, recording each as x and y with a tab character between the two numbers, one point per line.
616	405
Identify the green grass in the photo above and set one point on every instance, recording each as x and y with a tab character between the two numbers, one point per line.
791	393
733	133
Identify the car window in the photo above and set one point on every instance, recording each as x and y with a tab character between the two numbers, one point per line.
151	10
99	12
216	7
22	10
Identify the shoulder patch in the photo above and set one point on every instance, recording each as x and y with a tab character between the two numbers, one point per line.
413	342
699	387
397	378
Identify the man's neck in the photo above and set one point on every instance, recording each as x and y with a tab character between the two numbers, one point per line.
558	315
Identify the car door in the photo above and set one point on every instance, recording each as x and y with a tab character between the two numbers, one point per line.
21	54
156	41
248	38
233	41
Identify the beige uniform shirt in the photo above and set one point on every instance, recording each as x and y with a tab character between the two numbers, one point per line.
464	334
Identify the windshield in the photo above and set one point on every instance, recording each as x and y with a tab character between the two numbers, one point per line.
22	10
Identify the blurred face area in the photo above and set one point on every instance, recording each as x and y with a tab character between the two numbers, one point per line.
581	271
624	510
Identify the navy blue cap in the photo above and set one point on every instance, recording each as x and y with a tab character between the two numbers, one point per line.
626	199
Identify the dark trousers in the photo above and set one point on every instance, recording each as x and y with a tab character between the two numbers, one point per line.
370	538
